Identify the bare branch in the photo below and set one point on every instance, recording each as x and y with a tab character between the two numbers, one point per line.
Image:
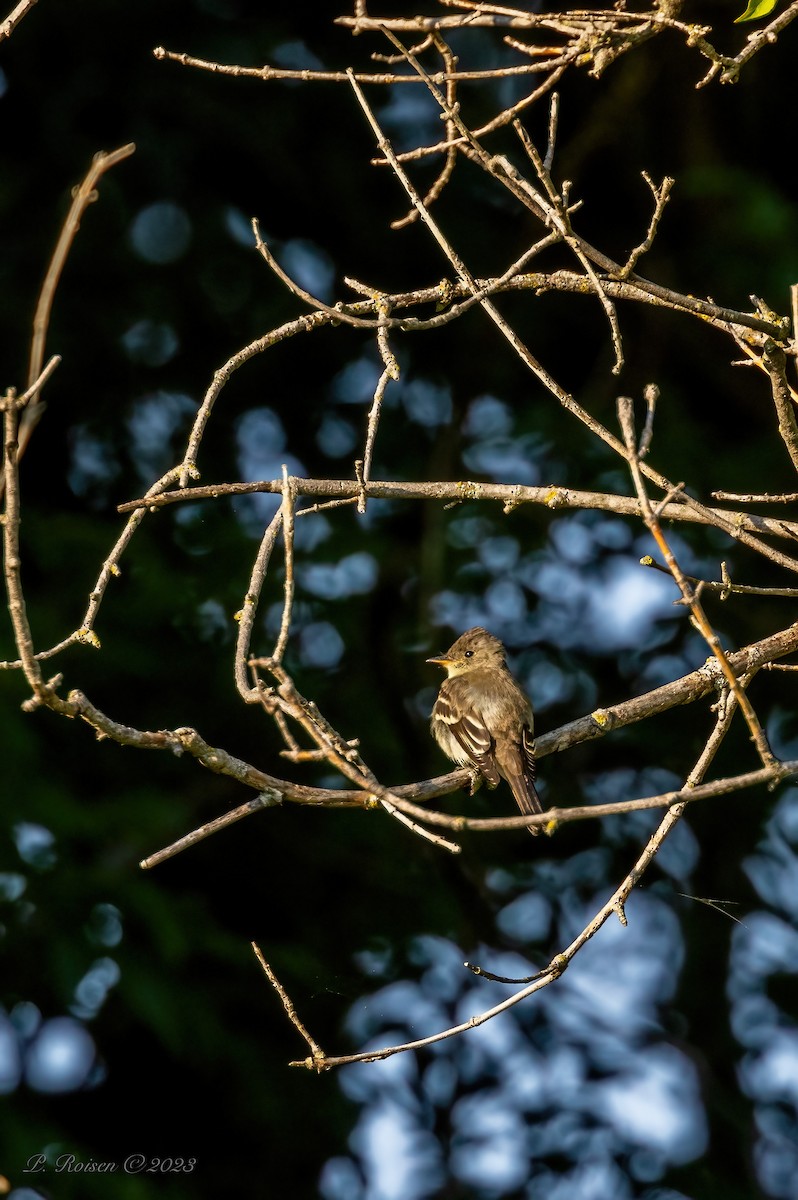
266	799
11	551
13	19
685	690
775	362
82	197
549	820
289	496
308	76
737	524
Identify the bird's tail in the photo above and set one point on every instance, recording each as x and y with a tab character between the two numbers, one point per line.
522	782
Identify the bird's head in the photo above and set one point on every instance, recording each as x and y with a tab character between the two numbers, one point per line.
476	649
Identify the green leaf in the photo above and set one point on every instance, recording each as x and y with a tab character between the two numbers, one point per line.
755	10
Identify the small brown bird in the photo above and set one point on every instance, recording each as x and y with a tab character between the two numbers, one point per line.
482	718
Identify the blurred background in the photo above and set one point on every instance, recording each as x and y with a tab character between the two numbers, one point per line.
134	1019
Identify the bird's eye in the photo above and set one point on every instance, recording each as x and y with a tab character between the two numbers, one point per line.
468	654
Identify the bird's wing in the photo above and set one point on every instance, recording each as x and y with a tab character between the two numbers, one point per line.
469	731
528	757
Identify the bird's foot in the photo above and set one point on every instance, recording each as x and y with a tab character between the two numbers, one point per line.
475	782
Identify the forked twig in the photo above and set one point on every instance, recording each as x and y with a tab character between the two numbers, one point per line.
557	215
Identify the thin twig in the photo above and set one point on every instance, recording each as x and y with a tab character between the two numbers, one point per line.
265	799
446	171
389	360
386	78
337	312
661	194
316	1051
757	497
505	117
248	610
11	550
84	194
794	313
775	362
364	477
724	585
651	396
33	389
554	116
289	500
13	19
545	977
626	419
436	839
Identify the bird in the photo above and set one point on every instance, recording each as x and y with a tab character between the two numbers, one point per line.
482	718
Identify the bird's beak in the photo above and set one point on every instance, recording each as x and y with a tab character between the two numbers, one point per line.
440	661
